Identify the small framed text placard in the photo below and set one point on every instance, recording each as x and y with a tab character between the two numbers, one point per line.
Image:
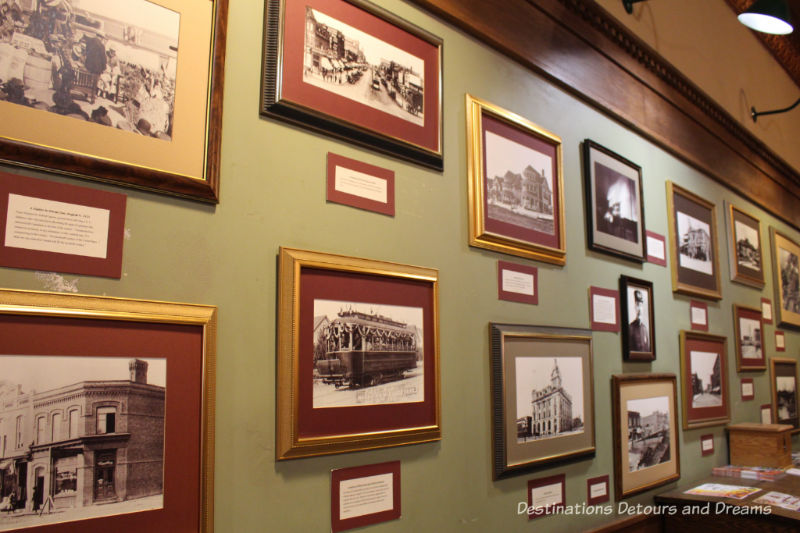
780	341
698	315
597	490
656	248
707	445
365	495
604	307
766	413
360	185
546	495
517	283
59	227
766	310
748	389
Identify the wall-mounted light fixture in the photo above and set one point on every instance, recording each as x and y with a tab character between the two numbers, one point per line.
755	114
628	5
768	16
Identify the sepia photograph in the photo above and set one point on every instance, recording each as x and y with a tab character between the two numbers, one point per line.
648	432
706	379
549	397
695	244
790	281
519	184
638	319
80	437
786	391
750	338
356	65
616	204
111	62
367	354
745	255
748	251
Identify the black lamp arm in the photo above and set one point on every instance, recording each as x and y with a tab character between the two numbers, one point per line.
755	114
628	5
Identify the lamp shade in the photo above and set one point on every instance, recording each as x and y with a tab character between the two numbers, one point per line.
768	16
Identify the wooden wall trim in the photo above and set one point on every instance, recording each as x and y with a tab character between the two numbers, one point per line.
582	49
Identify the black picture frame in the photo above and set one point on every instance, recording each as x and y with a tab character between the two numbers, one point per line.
634	348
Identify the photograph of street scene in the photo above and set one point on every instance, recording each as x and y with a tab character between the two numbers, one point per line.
346	61
786	395
111	62
519	184
750	338
748	253
648	432
706	379
367	354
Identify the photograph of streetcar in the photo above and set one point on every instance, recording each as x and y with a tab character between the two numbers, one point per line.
648	432
367	354
351	63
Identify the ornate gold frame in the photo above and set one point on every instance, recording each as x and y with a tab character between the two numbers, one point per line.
478	235
785	318
289	445
55	305
736	273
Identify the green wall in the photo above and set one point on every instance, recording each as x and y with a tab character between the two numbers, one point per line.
273	194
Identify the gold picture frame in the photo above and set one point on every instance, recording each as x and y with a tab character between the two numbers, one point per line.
43	326
358	354
520	210
745	247
783	392
786	278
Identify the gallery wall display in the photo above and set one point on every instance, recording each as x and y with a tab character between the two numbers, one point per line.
542	396
745	252
516	194
783	380
127	105
114	401
358	354
638	319
693	244
749	329
614	203
645	427
786	278
704	379
356	71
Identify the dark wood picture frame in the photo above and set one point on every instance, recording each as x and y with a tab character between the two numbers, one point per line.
751	354
704	379
745	257
783	387
614	203
638	334
311	85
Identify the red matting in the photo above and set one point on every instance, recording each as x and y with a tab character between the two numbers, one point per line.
182	346
370	289
357	472
652	258
537	511
698	326
707	445
749	363
780	342
766	318
609	293
341	197
109	267
335	105
717	411
512	296
599	498
752	388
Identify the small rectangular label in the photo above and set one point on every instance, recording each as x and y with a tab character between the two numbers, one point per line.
366	495
598	490
747	390
361	185
766	414
655	247
604	309
766	310
708	444
699	316
518	282
780	341
357	183
547	495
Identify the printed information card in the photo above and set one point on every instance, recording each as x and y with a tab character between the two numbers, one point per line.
358	184
365	495
656	249
604	310
517	283
698	315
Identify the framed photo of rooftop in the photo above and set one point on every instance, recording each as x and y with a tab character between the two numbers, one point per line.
614	205
745	253
516	195
693	244
786	269
358	354
104	92
638	319
783	378
749	327
704	380
351	69
107	413
645	427
542	396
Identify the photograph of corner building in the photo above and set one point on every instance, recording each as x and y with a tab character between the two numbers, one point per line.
92	447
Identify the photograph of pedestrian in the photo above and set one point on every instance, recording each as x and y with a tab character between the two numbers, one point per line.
648	432
637	310
706	379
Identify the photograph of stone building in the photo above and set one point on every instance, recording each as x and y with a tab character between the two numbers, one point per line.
648	432
73	448
549	397
695	244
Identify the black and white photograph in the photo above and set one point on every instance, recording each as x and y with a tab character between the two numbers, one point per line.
111	62
790	281
519	184
367	354
80	437
648	432
356	65
549	397
695	244
639	319
616	204
706	379
786	393
748	252
750	338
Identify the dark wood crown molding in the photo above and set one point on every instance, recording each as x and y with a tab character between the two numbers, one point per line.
581	48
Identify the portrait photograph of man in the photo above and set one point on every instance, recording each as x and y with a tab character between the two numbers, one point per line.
637	319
